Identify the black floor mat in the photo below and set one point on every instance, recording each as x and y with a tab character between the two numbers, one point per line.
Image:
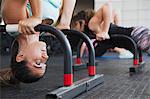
117	85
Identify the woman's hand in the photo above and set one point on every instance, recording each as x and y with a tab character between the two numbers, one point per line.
102	36
62	26
26	26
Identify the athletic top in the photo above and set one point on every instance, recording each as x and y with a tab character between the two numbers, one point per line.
50	9
115	29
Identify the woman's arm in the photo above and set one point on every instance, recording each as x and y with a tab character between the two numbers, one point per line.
106	15
116	18
36	8
100	22
67	11
27	25
83	47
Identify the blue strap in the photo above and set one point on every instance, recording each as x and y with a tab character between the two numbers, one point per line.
55	3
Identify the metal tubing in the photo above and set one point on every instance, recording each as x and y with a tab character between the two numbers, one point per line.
135	58
68	73
91	51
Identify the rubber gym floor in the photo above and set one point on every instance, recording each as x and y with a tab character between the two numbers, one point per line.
117	82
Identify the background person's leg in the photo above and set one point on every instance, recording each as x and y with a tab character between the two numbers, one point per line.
123	53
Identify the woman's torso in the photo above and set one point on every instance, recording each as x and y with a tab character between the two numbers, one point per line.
50	9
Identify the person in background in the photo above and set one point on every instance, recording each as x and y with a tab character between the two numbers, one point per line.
140	34
79	25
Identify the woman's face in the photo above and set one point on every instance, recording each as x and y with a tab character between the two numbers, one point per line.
36	56
79	25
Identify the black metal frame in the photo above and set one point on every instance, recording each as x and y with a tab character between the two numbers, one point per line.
138	62
91	58
71	89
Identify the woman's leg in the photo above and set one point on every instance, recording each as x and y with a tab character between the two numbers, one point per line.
123	53
13	11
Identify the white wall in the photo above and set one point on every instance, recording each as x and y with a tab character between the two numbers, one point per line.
132	12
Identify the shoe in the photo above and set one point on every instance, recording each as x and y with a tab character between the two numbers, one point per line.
126	54
7	78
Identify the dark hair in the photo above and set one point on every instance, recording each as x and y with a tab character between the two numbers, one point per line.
20	70
83	15
0	19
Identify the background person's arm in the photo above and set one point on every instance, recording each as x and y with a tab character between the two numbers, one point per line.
83	48
67	11
106	15
116	18
100	22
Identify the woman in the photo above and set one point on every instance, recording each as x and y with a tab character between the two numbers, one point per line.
29	55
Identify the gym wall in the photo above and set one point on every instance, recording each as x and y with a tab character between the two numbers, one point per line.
132	12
